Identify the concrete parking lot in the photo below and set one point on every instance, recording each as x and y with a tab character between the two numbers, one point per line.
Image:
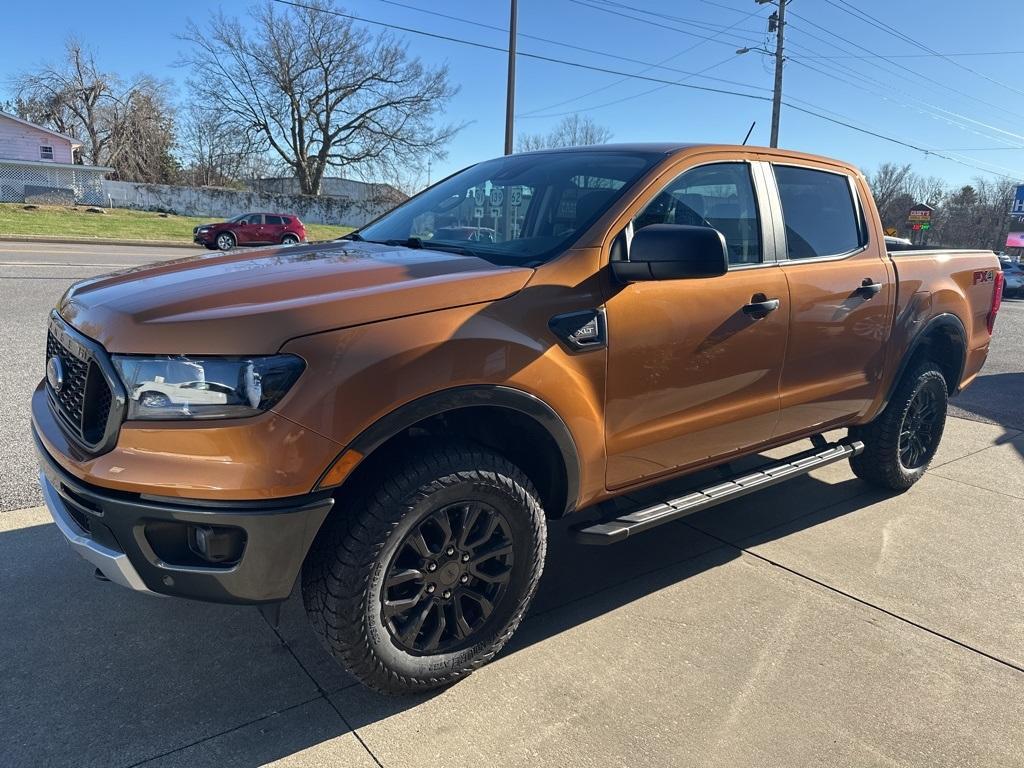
816	623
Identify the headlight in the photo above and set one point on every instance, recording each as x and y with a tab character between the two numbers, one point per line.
180	387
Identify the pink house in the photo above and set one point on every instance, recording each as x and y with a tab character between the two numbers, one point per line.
38	164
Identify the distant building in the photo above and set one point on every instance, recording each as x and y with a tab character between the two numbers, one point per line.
38	165
350	189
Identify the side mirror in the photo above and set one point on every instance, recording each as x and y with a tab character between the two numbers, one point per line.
673	252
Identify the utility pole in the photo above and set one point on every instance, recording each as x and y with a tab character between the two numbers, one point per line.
778	21
510	92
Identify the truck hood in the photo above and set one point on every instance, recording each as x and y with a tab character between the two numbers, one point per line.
253	302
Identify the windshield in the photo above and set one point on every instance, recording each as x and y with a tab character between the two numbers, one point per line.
520	209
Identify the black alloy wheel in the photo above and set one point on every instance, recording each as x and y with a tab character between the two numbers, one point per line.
446	578
917	434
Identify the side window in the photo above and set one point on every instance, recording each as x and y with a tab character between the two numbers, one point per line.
256	218
277	220
821	218
719	196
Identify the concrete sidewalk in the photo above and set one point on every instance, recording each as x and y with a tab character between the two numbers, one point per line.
816	623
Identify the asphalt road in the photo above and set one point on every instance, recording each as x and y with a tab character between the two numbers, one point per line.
33	276
817	623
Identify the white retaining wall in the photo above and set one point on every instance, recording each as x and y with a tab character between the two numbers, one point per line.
221	203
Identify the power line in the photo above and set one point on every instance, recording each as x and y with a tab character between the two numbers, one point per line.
534	112
877	23
924	55
661	25
605	70
914	72
634	95
604	54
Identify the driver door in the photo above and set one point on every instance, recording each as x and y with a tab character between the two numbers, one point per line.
693	371
249	232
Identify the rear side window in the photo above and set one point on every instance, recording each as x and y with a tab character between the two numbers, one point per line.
821	218
719	195
275	220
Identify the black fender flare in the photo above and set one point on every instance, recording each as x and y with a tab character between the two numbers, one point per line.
943	321
475	395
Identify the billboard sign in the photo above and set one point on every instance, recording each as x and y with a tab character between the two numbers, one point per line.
1016	237
920	213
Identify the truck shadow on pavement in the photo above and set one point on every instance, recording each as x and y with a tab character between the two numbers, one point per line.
91	674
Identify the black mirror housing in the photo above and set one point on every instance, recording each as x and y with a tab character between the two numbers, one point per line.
673	252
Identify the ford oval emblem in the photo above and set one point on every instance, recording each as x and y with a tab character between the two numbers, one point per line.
55	373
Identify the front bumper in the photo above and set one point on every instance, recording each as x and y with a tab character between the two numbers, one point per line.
120	533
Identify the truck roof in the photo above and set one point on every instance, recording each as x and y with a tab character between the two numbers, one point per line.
672	147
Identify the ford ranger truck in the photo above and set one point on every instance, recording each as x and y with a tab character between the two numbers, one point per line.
389	420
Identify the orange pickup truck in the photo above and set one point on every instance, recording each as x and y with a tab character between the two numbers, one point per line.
390	419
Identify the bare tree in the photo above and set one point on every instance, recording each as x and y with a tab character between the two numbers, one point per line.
572	131
130	127
73	96
214	153
975	215
317	91
142	136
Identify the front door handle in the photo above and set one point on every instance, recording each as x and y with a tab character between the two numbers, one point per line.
869	288
759	309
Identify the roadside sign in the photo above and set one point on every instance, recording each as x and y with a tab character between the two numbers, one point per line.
497	195
1017	209
920	212
1015	237
478	195
478	212
892	231
495	211
515	197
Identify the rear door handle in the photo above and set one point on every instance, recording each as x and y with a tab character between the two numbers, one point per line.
869	288
759	309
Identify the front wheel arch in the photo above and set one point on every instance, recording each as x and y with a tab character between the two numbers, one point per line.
486	415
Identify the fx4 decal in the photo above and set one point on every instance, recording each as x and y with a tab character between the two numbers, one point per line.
984	276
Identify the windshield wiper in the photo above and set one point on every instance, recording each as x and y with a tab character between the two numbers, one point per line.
353	236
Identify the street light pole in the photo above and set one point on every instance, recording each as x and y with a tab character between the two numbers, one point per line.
780	31
510	93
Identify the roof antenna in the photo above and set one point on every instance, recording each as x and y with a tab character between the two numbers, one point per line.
748	133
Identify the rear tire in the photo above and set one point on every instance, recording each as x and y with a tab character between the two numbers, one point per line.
901	442
289	239
426	577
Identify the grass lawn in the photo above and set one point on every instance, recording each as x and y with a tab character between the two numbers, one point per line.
117	223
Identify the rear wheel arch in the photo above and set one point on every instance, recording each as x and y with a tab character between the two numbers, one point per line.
510	421
943	339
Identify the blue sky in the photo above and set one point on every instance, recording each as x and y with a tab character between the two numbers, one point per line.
931	102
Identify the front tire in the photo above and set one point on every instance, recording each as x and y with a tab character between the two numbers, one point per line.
901	442
426	578
225	241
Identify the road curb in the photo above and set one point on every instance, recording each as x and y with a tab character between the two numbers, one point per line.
96	241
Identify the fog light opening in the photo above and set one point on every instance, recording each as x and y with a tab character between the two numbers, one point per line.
216	544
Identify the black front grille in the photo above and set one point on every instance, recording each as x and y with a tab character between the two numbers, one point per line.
84	400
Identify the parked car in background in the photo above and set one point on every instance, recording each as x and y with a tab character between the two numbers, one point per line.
251	229
1013	278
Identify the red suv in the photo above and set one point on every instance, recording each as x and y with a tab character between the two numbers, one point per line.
251	229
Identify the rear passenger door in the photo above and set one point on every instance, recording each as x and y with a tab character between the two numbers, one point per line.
273	229
841	297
